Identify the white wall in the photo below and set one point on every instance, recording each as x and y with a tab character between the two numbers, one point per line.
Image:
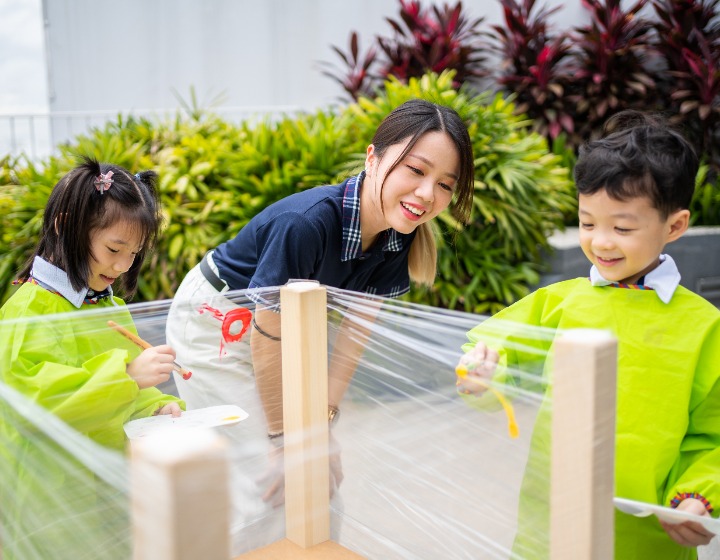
69	64
23	83
105	54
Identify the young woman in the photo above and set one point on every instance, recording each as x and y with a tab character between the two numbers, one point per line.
370	234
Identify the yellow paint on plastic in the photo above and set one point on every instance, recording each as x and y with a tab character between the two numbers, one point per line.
462	371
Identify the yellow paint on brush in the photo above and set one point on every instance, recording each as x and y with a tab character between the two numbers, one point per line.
462	371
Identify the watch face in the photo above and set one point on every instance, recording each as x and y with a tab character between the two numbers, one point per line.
333	415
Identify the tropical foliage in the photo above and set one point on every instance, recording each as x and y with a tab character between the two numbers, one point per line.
214	176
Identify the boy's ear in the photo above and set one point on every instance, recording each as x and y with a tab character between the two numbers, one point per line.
678	222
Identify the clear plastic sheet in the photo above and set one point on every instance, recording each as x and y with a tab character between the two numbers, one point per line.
426	476
425	473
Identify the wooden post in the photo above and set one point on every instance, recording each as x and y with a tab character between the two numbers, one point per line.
180	496
305	412
583	446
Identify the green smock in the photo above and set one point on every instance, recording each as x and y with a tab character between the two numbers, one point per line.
73	365
668	402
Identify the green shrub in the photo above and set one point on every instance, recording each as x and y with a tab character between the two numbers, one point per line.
705	205
215	176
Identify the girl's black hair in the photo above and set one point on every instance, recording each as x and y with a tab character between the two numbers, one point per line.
640	154
414	118
76	208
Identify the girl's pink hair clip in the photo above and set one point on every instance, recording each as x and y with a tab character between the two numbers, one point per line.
103	181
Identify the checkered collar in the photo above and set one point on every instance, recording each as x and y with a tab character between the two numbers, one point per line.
352	236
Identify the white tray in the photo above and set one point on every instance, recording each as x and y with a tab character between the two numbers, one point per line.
209	417
670	515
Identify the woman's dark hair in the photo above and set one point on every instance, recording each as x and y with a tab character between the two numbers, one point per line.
414	118
76	208
640	154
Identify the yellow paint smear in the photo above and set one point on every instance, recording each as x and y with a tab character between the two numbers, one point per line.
228	418
462	371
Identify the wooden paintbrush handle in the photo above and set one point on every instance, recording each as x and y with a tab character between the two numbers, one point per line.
130	336
145	345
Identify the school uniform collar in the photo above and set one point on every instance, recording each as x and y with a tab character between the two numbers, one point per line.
664	279
352	236
54	279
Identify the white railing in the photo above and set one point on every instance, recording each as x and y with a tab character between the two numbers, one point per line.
37	135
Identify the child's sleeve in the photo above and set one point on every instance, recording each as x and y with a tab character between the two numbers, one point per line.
73	366
522	351
697	471
85	397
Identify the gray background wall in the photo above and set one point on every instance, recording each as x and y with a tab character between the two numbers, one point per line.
255	52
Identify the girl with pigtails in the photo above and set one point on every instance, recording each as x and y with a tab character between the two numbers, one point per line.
59	352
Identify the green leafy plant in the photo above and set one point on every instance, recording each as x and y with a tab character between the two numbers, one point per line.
24	190
705	205
214	176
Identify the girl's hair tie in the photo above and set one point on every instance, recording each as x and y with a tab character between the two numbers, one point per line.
103	181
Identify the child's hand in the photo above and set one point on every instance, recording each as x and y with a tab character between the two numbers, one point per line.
170	408
153	366
478	364
688	533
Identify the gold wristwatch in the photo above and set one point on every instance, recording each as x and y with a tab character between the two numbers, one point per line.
333	414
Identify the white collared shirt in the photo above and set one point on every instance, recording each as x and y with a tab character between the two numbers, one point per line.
55	279
664	279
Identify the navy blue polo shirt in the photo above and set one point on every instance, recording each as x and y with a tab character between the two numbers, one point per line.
315	235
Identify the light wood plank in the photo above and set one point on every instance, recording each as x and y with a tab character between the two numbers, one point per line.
583	446
180	502
286	550
305	413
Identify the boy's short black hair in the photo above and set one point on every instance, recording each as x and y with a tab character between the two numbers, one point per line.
640	154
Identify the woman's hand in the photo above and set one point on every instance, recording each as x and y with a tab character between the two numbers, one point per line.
689	533
274	478
476	368
336	472
152	366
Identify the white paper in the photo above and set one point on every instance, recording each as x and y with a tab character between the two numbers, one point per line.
209	417
670	515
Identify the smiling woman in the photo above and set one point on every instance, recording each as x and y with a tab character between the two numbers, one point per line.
421	188
370	234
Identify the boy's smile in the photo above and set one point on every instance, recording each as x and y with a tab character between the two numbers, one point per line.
624	238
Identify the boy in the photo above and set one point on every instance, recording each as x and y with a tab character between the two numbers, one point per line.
634	189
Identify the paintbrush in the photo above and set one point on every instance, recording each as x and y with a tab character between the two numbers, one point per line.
462	371
145	345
